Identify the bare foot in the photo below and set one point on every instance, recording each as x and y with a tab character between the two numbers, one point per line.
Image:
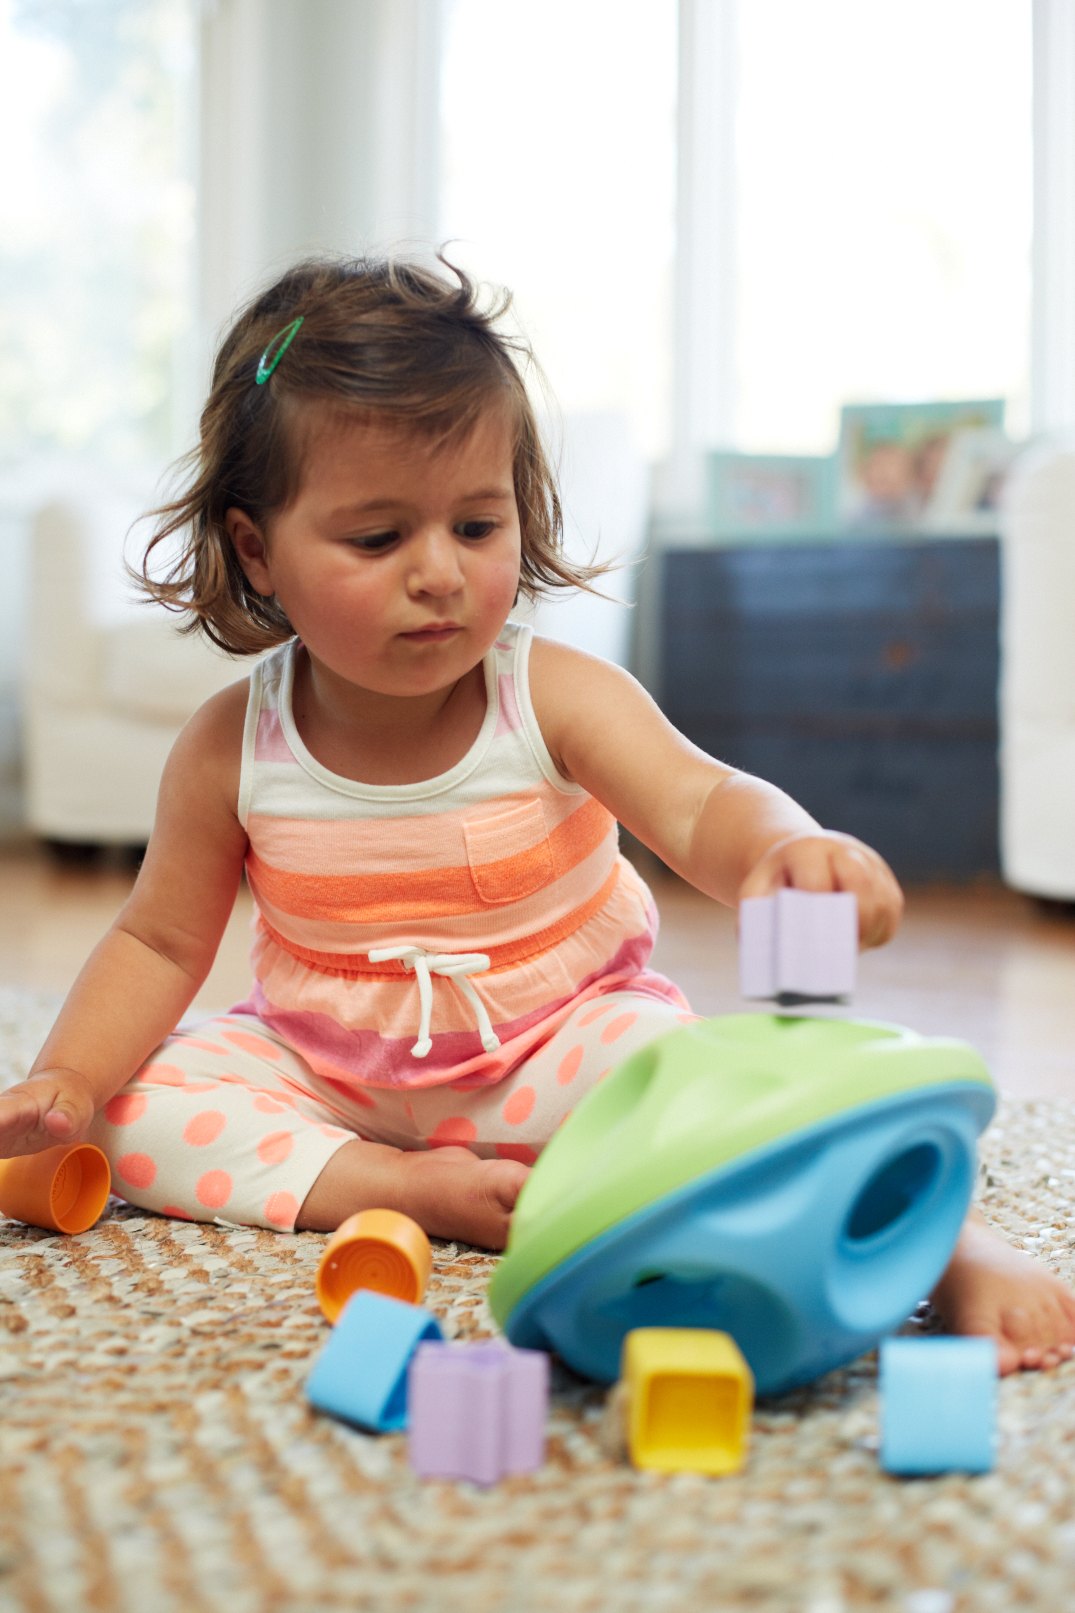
993	1289
450	1192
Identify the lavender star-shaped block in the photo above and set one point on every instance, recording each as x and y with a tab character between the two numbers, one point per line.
477	1411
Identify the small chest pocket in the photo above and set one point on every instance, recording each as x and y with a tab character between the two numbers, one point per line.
509	853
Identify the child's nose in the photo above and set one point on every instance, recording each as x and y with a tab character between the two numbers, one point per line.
436	568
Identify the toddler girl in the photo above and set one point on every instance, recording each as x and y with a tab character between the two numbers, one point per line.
449	950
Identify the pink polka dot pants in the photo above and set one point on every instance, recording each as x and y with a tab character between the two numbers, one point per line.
224	1122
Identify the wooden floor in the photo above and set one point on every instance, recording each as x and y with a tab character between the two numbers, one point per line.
978	962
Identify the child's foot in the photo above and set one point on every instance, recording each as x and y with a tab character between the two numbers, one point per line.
450	1192
454	1194
993	1289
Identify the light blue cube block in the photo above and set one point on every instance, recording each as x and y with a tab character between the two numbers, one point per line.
938	1405
361	1374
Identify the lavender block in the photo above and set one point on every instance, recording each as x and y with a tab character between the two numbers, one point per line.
476	1411
798	945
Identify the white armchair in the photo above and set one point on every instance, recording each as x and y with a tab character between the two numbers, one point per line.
108	681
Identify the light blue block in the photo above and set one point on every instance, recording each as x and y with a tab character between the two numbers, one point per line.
938	1405
361	1374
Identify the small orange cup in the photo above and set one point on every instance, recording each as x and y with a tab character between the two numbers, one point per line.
378	1249
64	1188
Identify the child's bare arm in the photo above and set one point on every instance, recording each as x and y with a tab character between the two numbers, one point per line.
142	975
730	834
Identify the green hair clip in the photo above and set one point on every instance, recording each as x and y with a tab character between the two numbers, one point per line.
276	350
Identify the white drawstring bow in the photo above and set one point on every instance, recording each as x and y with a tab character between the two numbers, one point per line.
451	966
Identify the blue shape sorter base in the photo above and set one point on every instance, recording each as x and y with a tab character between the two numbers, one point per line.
361	1374
807	1251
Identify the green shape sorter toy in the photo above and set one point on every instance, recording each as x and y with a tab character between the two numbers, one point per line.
798	1183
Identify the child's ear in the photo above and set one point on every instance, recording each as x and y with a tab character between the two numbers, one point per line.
250	550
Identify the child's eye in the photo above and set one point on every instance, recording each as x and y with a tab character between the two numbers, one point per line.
475	529
375	542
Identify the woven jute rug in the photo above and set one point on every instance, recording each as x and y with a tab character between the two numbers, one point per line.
158	1454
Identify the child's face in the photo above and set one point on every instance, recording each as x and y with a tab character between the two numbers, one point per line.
397	564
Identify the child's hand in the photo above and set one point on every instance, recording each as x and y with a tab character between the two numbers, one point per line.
827	861
52	1107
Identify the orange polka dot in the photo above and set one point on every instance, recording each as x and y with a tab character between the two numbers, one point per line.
260	1046
213	1189
204	1047
204	1128
281	1209
520	1151
125	1108
137	1170
570	1065
594	1013
270	1106
274	1149
519	1106
164	1075
456	1129
334	1131
174	1210
616	1027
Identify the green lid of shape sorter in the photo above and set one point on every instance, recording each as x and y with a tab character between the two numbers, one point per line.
700	1098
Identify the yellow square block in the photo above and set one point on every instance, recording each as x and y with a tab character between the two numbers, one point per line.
690	1394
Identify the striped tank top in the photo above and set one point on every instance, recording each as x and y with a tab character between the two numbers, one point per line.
410	935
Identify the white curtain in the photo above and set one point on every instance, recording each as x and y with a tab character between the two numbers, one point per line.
318	132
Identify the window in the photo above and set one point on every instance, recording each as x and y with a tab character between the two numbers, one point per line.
558	180
883	190
96	217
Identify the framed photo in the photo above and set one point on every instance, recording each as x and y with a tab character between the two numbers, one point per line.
967	493
891	456
768	495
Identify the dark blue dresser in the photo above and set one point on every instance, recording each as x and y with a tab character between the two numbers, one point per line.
859	676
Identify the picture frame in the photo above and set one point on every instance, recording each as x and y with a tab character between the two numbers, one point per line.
891	456
768	495
969	488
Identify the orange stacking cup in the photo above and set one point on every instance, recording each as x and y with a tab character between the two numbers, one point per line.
379	1249
64	1188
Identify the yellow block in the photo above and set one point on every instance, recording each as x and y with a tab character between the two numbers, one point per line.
690	1396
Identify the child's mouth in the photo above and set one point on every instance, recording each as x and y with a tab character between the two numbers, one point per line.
437	634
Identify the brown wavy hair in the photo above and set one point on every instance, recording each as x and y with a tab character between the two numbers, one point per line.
384	338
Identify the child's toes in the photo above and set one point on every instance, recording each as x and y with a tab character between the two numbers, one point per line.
1009	1357
1041	1335
1020	1339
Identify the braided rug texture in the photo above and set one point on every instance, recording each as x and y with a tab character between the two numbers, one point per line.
158	1454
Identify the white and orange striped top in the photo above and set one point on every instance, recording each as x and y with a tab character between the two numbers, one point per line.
414	934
